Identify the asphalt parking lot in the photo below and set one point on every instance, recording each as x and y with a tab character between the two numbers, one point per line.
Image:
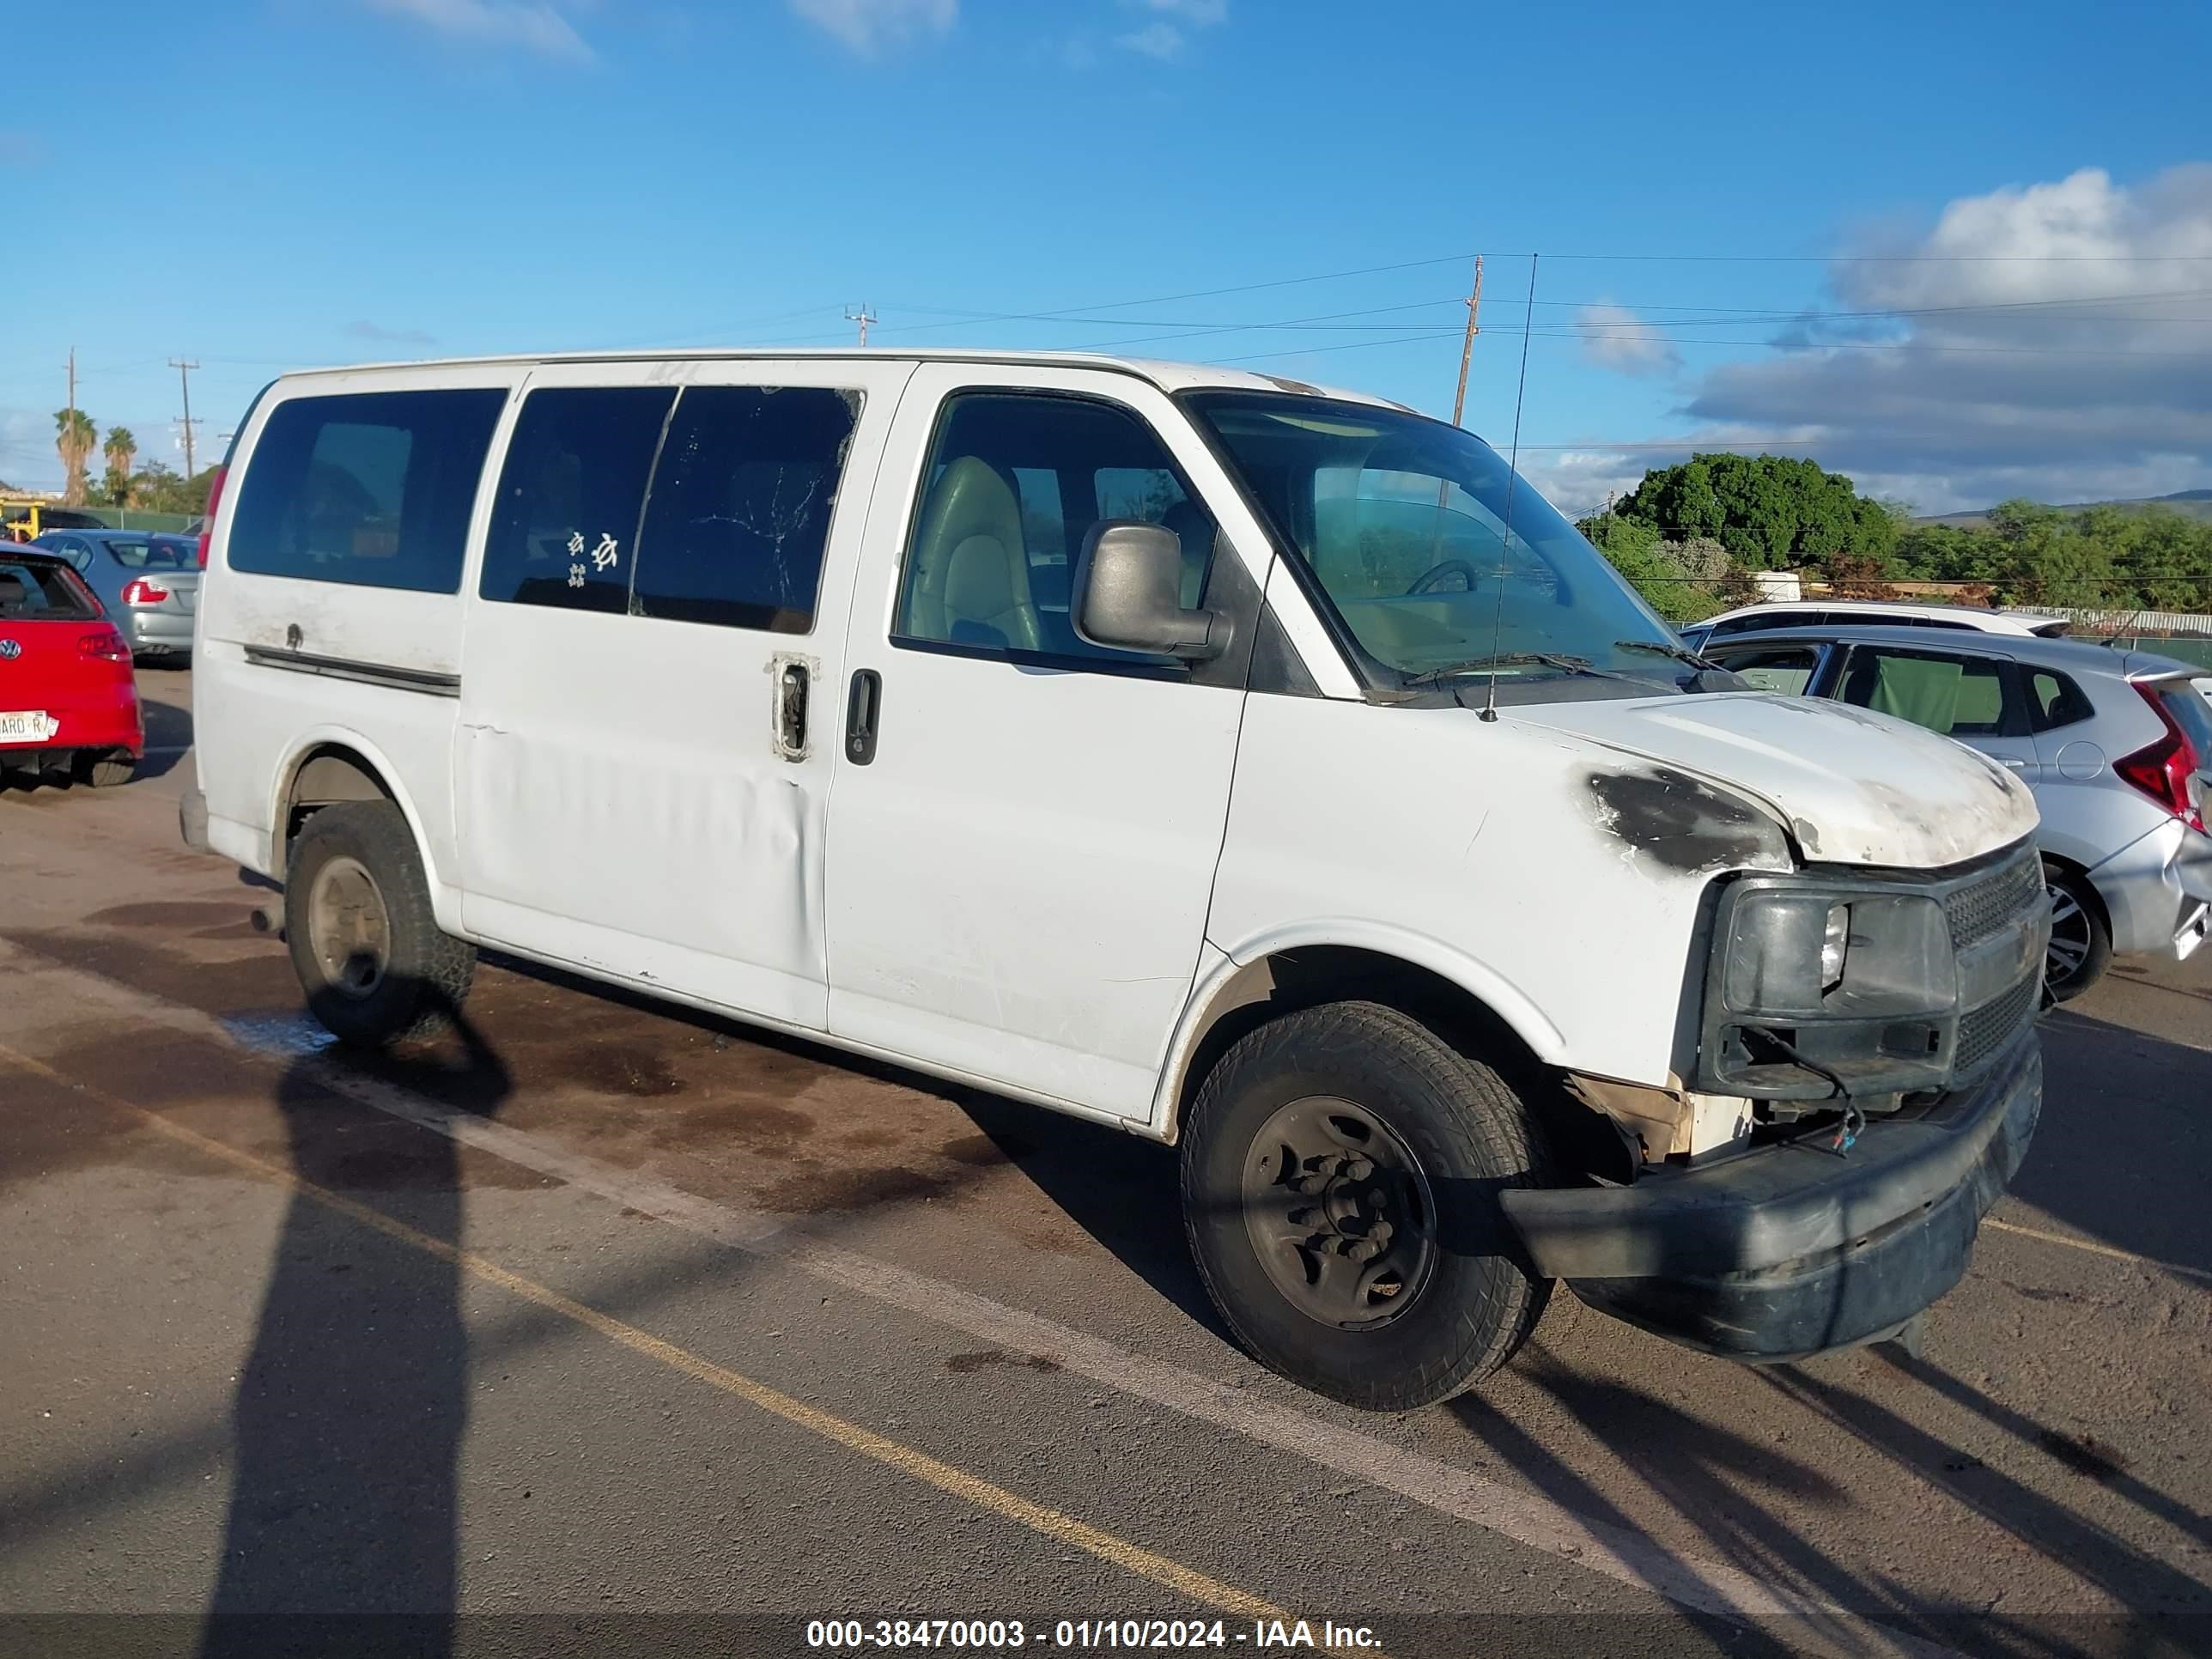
609	1328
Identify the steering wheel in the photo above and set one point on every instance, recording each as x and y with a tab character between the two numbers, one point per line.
1429	580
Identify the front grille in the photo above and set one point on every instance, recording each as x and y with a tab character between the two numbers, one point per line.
1985	1032
1986	907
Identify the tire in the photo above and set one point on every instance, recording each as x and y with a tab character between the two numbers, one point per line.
1470	1297
106	771
2081	937
363	937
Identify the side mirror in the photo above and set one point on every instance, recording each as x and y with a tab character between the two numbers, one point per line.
1128	594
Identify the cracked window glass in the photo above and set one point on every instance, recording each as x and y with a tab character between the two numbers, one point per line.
738	516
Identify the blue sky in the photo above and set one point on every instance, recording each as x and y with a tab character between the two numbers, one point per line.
268	183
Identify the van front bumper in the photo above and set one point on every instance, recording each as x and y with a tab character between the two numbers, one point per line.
1794	1248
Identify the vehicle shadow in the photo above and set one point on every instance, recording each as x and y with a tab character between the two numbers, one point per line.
341	1533
1760	1509
1120	1189
2123	1151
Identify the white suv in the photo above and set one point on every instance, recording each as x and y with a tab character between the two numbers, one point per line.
1204	754
1864	613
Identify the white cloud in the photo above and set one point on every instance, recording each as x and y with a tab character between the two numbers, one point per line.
2052	340
1615	338
866	26
1161	40
533	25
1198	13
1168	34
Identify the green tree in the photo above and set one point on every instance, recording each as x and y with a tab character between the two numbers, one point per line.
75	439
1770	512
1668	574
159	489
121	450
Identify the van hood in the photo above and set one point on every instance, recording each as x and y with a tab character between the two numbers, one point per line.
1851	787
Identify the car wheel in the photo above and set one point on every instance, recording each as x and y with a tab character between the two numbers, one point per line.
1340	1173
2081	939
363	939
105	771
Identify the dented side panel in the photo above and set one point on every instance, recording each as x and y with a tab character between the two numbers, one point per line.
647	798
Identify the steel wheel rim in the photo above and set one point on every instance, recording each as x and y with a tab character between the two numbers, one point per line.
2071	936
1339	1212
348	931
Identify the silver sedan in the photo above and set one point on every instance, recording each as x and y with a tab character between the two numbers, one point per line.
149	583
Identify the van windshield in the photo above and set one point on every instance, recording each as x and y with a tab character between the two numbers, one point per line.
1402	521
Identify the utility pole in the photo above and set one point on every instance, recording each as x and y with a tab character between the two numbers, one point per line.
1467	351
185	379
863	317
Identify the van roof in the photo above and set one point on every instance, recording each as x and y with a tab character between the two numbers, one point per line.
1166	375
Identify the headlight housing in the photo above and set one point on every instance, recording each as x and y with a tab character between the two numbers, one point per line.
1860	980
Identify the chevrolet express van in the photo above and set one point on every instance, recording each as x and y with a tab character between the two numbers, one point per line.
1262	769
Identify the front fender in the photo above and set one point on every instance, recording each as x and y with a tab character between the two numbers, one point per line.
1219	970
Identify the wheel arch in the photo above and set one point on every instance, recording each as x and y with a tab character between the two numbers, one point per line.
1292	968
328	765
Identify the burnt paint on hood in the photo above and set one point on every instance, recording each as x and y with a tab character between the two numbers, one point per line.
1853	787
1685	823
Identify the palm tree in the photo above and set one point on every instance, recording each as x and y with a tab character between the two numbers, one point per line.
75	438
121	450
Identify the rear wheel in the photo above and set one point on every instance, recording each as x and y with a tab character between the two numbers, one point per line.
1341	1169
106	771
363	939
2081	939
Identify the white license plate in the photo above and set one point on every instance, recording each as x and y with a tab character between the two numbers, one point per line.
27	725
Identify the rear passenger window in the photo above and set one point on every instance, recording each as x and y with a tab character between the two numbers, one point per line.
1017	482
1957	698
739	512
564	532
373	489
2054	701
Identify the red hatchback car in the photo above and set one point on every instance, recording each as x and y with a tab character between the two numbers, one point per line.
68	706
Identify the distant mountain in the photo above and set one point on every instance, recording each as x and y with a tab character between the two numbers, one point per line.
2190	503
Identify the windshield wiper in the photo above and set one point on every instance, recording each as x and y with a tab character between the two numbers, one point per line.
1658	649
1507	659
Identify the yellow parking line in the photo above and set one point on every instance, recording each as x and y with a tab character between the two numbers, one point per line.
2095	1248
1052	1524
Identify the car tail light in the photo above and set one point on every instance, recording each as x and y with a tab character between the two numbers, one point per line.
214	500
105	646
140	591
2163	770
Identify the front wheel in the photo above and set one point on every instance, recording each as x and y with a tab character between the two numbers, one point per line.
1341	1174
2081	939
364	938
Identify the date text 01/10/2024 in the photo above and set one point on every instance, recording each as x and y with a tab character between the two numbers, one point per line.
1007	1635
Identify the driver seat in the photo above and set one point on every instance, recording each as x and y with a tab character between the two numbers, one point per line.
971	570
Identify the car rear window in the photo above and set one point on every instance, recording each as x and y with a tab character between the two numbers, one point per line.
2194	716
34	590
373	489
131	556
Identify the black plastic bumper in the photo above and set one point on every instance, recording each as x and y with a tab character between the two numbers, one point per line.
1794	1249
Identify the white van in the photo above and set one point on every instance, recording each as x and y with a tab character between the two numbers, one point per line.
1188	749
